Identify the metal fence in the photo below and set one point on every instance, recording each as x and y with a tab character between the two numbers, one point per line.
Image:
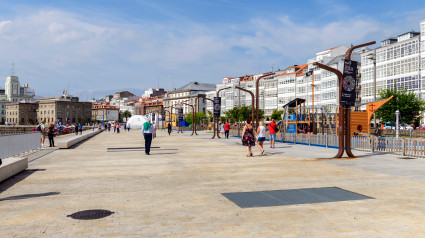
403	146
11	145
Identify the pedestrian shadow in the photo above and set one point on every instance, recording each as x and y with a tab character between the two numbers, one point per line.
8	183
164	153
27	196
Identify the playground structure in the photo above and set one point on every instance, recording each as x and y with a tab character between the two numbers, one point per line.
300	119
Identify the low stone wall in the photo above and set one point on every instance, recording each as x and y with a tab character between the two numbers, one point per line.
12	166
68	141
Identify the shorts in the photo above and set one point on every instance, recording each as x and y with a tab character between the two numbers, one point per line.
261	138
272	136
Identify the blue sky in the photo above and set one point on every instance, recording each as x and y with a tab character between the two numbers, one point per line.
109	45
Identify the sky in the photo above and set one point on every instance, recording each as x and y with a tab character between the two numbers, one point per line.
94	47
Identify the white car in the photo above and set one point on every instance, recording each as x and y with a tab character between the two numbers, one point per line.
405	127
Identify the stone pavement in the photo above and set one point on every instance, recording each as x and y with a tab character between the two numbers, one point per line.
176	191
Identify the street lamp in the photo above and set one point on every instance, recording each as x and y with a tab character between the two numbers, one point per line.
372	56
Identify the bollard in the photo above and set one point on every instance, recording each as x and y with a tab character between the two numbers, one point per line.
403	149
326	140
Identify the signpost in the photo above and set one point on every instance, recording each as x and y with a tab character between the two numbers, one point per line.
217	106
349	83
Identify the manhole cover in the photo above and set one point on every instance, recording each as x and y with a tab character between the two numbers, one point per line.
90	214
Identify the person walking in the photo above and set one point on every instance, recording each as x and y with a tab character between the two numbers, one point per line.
80	128
51	135
41	128
248	137
148	133
261	136
118	128
76	129
128	127
226	129
272	132
109	127
113	127
169	127
154	127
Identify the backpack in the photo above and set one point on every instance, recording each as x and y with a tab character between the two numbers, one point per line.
276	129
39	128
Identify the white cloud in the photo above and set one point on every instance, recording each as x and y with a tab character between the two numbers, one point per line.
52	48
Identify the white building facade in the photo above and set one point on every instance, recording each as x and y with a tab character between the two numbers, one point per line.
400	64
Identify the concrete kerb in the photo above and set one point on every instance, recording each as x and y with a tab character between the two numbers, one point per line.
12	166
65	143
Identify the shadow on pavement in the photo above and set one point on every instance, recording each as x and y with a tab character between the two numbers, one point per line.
8	183
26	196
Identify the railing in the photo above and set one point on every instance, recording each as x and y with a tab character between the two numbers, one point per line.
11	145
401	146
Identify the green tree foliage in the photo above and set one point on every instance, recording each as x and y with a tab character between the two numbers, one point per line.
126	114
232	114
245	112
406	102
199	115
277	114
210	116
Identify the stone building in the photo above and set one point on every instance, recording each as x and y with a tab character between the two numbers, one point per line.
14	92
105	112
64	109
188	94
21	113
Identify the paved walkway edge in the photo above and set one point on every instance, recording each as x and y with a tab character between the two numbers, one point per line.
67	142
12	166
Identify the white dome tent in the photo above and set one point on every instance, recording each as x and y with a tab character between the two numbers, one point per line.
136	122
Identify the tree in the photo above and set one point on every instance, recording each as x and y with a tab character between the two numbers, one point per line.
199	115
232	114
406	102
210	116
126	114
277	114
245	112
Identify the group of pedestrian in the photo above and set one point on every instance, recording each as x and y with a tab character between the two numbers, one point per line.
115	127
224	128
78	128
249	136
50	132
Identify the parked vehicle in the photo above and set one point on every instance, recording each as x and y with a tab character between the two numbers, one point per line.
391	126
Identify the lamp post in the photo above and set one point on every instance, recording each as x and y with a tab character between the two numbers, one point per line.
218	119
257	84
373	58
193	118
209	99
344	137
252	103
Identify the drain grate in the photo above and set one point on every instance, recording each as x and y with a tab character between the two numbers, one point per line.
292	197
90	214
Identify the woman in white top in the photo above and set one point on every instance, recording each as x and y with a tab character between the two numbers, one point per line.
261	134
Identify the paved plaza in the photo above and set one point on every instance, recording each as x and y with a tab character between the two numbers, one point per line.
177	191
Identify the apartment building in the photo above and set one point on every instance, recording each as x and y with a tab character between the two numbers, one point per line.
319	87
188	94
104	112
398	65
21	113
63	109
